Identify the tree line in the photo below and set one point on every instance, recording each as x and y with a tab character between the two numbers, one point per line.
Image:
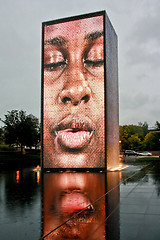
139	137
20	129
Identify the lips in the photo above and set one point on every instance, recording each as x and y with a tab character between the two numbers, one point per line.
74	133
74	202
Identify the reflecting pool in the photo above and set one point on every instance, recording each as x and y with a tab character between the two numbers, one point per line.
117	205
20	204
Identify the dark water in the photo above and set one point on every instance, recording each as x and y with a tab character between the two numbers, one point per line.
121	205
20	204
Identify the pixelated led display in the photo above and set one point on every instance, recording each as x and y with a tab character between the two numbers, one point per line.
72	209
73	96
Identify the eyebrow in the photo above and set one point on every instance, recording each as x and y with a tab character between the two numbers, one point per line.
57	41
60	41
94	35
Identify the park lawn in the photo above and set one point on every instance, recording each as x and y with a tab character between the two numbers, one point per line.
146	159
6	147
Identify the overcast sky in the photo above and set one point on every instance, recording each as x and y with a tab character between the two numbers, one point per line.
137	24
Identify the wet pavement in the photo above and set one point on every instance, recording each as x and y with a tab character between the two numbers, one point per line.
122	205
140	206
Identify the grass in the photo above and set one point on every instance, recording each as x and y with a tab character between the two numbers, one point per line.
6	147
143	159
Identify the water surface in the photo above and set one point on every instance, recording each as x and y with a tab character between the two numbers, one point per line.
95	206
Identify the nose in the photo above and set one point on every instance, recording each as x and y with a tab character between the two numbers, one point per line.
76	91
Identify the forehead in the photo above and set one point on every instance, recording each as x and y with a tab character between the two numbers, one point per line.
74	29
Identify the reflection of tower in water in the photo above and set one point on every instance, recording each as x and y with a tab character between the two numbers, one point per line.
112	205
80	205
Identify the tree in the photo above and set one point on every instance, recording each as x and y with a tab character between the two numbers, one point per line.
132	136
157	125
21	129
1	135
124	133
134	142
152	141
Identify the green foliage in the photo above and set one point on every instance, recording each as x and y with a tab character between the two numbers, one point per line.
134	142
21	129
152	141
147	159
132	136
157	125
5	147
1	135
138	137
124	135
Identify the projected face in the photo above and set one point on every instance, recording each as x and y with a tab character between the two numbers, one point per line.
72	196
73	114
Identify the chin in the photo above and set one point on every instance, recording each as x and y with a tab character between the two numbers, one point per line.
75	160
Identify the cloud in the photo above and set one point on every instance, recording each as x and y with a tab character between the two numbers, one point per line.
143	41
143	54
134	101
146	29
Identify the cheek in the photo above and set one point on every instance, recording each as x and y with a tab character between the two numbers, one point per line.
101	127
46	132
98	98
52	89
51	93
96	84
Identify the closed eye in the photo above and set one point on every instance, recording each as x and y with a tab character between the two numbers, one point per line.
55	66
91	63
